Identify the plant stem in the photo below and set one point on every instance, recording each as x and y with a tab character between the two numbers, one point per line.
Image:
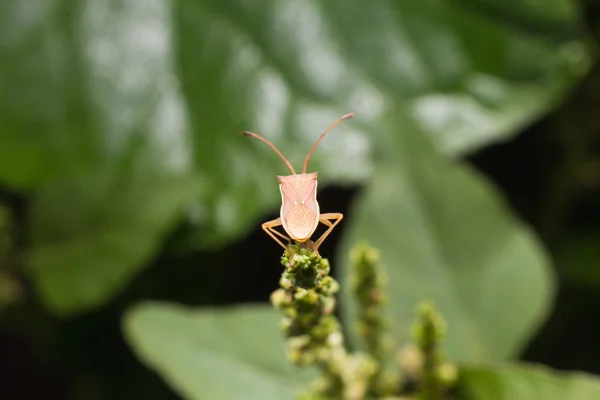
314	336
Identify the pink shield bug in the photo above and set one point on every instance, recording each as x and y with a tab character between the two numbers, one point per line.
300	214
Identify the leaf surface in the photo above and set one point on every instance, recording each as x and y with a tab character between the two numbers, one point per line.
205	354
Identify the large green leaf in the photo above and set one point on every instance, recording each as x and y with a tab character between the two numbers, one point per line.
287	69
525	382
93	233
91	86
85	84
208	354
92	120
445	236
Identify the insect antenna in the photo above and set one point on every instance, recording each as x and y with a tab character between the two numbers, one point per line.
262	139
343	118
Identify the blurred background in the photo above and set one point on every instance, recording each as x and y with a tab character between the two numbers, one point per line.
122	178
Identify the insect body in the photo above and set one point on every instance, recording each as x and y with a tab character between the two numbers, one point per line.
300	214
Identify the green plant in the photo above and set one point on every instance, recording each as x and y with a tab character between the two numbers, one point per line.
163	334
118	149
314	336
133	151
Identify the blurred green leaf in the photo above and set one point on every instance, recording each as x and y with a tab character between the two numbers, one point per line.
92	123
93	233
82	80
525	382
87	84
445	236
207	354
288	69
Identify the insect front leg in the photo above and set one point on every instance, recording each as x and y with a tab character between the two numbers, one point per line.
269	228
326	220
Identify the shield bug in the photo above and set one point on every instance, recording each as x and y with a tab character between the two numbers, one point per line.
300	214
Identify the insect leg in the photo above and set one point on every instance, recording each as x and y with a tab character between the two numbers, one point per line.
269	228
326	220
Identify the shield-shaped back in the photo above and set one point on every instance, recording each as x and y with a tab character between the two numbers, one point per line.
299	206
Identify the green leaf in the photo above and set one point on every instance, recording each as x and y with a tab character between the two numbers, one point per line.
445	235
77	80
93	233
205	354
92	124
525	382
288	69
90	86
83	86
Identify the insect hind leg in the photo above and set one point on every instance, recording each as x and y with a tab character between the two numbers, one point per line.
325	219
269	228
